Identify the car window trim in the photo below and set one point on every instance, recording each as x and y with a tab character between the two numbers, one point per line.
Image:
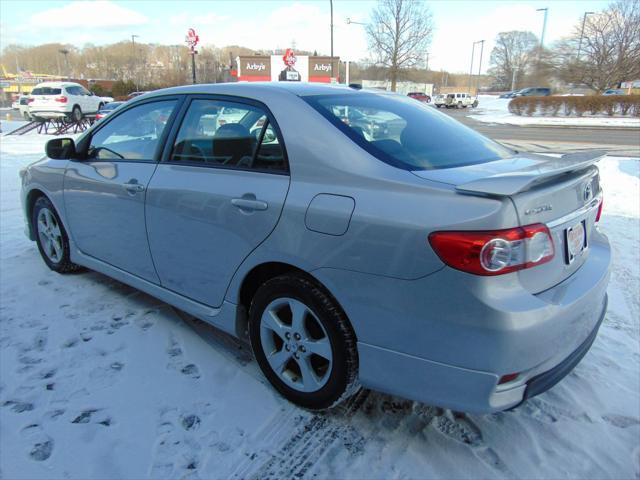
86	141
170	141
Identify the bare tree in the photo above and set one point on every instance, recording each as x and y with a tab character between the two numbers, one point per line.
610	49
399	34
512	56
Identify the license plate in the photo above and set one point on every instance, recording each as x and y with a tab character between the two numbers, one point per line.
575	240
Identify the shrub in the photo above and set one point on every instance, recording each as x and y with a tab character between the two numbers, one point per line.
516	106
592	104
531	105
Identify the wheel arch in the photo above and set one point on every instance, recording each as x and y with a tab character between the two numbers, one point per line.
30	202
257	276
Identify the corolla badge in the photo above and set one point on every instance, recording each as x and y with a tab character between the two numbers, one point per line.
540	209
587	192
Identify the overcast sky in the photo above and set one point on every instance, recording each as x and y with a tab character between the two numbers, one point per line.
279	24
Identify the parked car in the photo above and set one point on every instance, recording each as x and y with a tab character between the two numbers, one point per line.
508	94
107	109
67	100
614	91
459	100
420	96
23	107
533	92
440	100
134	95
441	267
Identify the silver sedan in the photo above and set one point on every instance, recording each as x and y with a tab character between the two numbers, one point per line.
354	238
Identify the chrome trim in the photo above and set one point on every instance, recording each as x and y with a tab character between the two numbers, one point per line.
576	213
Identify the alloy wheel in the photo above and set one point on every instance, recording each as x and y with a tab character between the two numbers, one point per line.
50	235
296	345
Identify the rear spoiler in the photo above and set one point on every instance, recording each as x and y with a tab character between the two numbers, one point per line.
506	184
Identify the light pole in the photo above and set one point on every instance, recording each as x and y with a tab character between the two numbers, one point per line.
584	19
544	28
65	52
133	60
473	49
332	64
349	22
481	42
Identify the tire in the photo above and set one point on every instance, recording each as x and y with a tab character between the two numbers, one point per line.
76	114
53	243
323	328
26	116
439	106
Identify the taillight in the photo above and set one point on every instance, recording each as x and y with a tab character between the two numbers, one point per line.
61	99
31	100
599	210
494	252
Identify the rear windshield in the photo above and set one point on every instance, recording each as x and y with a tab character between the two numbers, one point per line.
404	133
46	91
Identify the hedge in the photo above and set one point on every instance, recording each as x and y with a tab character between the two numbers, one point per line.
578	106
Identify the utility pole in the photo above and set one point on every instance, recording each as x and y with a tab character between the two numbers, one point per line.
333	75
584	19
133	61
473	48
481	42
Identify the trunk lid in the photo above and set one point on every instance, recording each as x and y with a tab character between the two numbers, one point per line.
562	192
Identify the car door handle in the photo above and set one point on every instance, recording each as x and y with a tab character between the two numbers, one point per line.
133	186
249	204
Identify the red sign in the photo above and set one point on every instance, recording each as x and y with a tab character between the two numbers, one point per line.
192	39
289	58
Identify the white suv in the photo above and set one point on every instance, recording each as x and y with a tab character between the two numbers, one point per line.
63	100
459	100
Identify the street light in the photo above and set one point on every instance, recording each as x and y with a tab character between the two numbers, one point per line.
349	22
133	59
584	19
65	52
481	42
473	49
544	28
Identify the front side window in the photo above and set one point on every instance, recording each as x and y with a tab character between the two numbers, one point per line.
134	134
404	133
228	134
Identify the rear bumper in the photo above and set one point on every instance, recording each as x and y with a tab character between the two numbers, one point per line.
48	112
547	380
448	338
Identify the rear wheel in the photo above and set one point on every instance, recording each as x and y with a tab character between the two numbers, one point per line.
76	114
303	342
26	116
51	237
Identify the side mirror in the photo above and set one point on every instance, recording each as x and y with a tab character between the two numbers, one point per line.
60	148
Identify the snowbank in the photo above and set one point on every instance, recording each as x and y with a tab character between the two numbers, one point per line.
492	109
98	380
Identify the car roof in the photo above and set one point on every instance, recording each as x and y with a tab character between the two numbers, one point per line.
57	84
252	88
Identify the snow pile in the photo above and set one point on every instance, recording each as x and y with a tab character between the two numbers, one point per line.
492	109
98	380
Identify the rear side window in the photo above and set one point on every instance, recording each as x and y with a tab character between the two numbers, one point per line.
229	135
46	91
404	133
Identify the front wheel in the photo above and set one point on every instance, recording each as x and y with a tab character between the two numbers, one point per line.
303	342
51	237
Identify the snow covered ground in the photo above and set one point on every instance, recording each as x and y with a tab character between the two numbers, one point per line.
98	380
492	109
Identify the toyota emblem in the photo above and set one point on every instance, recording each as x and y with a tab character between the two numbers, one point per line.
588	192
